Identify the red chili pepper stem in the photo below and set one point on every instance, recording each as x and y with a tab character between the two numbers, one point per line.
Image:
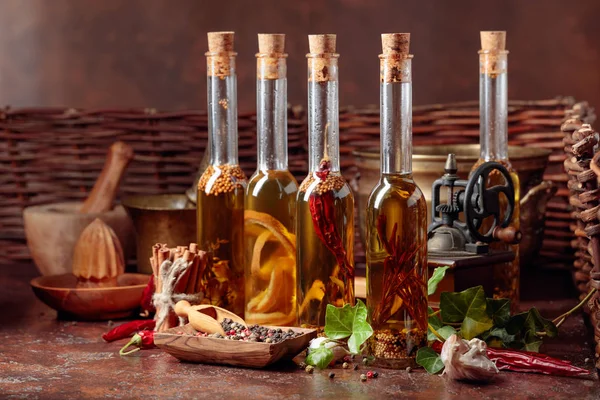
136	340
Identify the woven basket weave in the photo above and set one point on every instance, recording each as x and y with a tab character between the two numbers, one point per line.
55	154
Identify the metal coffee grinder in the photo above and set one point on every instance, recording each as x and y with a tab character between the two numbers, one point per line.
455	237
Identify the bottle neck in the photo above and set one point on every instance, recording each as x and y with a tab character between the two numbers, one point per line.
271	112
396	115
323	111
222	108
493	105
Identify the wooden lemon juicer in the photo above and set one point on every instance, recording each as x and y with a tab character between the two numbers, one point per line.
206	318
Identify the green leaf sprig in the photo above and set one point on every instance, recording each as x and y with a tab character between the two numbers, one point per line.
471	315
347	322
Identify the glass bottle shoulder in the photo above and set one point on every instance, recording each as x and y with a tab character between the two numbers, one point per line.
400	189
218	179
272	181
334	182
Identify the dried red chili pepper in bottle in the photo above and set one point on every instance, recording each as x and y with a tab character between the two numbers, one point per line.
325	204
396	222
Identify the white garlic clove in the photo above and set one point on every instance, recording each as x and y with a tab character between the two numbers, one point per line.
338	351
467	360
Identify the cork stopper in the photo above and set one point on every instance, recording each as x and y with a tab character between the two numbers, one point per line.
395	43
395	60
271	43
220	42
270	60
493	40
321	44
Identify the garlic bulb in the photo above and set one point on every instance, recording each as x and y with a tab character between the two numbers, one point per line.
338	351
98	257
467	360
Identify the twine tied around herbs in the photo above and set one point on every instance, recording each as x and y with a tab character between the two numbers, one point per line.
164	302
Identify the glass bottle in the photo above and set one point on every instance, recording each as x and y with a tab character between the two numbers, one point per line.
220	200
325	205
493	110
396	242
271	198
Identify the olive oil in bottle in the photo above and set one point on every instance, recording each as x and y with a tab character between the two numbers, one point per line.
220	199
325	206
270	215
396	243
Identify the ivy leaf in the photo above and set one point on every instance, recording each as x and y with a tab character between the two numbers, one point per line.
469	308
499	311
430	360
445	331
341	322
436	278
536	323
532	342
320	357
530	321
498	337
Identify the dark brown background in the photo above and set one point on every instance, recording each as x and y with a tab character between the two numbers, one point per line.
150	53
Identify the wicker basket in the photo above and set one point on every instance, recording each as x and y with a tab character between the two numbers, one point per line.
584	191
55	154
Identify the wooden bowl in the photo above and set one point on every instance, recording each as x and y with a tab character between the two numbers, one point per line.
209	350
90	304
53	229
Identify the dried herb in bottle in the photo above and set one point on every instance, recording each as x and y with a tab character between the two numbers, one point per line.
220	200
396	223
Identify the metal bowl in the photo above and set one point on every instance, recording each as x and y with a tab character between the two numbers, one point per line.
165	218
428	165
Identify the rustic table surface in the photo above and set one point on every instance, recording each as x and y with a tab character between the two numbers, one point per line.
41	357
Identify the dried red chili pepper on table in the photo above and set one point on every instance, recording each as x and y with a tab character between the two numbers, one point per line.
525	361
128	328
528	362
141	340
146	304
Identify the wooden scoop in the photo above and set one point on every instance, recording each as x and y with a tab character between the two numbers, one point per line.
105	189
206	318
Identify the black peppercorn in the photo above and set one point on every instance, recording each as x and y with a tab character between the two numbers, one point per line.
331	375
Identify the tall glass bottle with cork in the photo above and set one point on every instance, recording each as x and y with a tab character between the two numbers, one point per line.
271	198
325	216
220	201
493	110
396	240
